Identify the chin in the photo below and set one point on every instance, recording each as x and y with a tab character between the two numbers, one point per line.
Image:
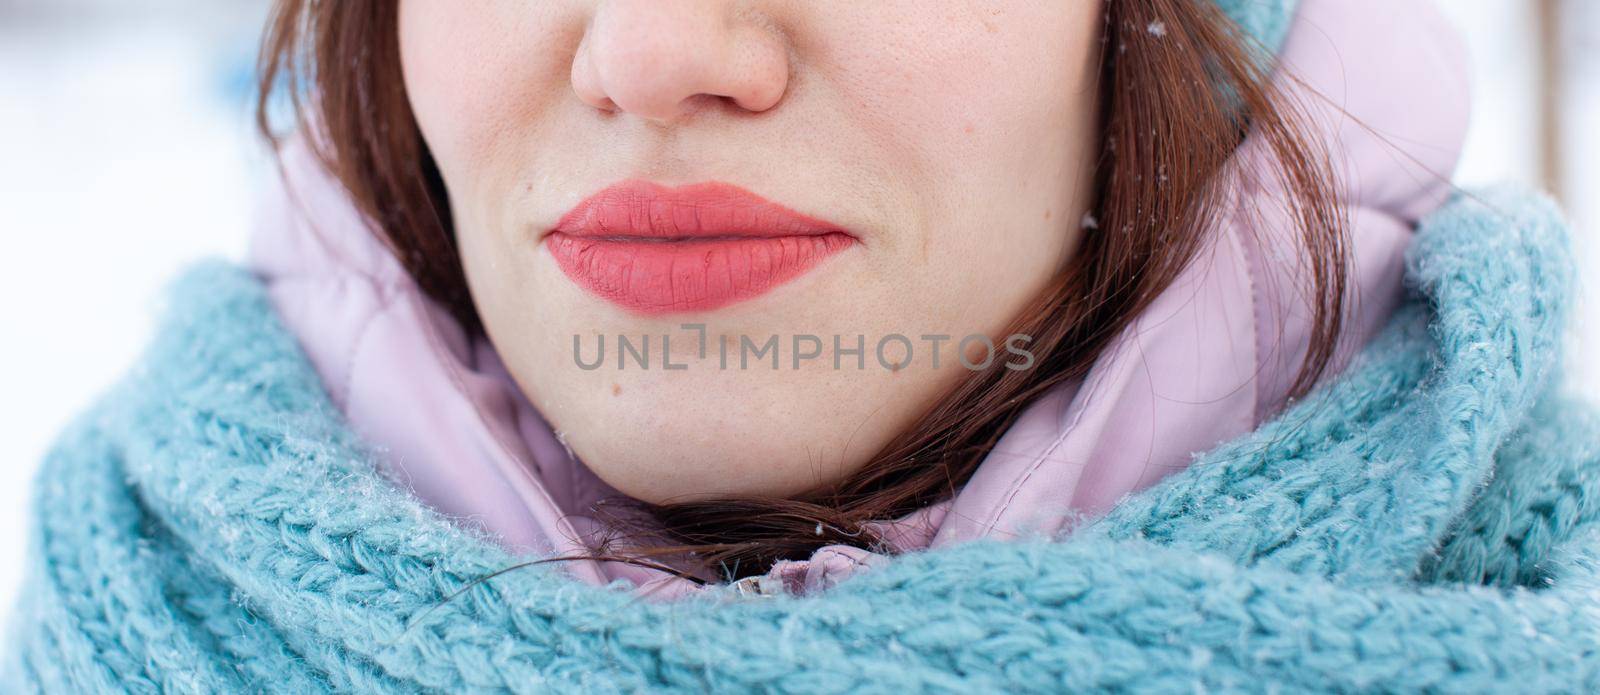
694	437
665	466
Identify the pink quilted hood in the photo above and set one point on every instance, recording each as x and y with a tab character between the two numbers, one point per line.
1211	359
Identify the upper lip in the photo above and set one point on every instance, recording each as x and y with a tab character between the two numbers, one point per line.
639	210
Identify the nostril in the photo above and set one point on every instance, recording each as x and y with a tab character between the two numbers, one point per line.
696	103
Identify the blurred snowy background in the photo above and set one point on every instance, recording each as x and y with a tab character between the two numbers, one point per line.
127	151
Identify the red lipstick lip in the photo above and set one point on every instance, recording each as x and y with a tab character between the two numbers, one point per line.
653	249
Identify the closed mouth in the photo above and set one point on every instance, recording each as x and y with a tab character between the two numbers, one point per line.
650	249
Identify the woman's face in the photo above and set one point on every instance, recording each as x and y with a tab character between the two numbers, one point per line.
763	182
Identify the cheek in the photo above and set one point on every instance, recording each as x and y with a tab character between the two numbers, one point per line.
958	80
478	74
994	123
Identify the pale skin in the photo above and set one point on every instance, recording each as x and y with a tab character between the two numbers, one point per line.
955	138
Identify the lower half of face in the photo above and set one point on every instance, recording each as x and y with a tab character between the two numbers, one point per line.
738	248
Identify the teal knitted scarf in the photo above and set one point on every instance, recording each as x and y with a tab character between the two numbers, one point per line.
1426	522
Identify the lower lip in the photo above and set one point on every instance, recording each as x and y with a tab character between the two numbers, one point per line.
662	276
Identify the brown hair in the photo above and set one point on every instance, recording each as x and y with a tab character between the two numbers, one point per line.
1175	106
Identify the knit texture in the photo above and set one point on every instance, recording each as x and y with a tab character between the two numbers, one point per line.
1266	20
1425	522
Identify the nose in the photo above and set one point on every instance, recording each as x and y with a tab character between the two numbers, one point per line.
656	58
